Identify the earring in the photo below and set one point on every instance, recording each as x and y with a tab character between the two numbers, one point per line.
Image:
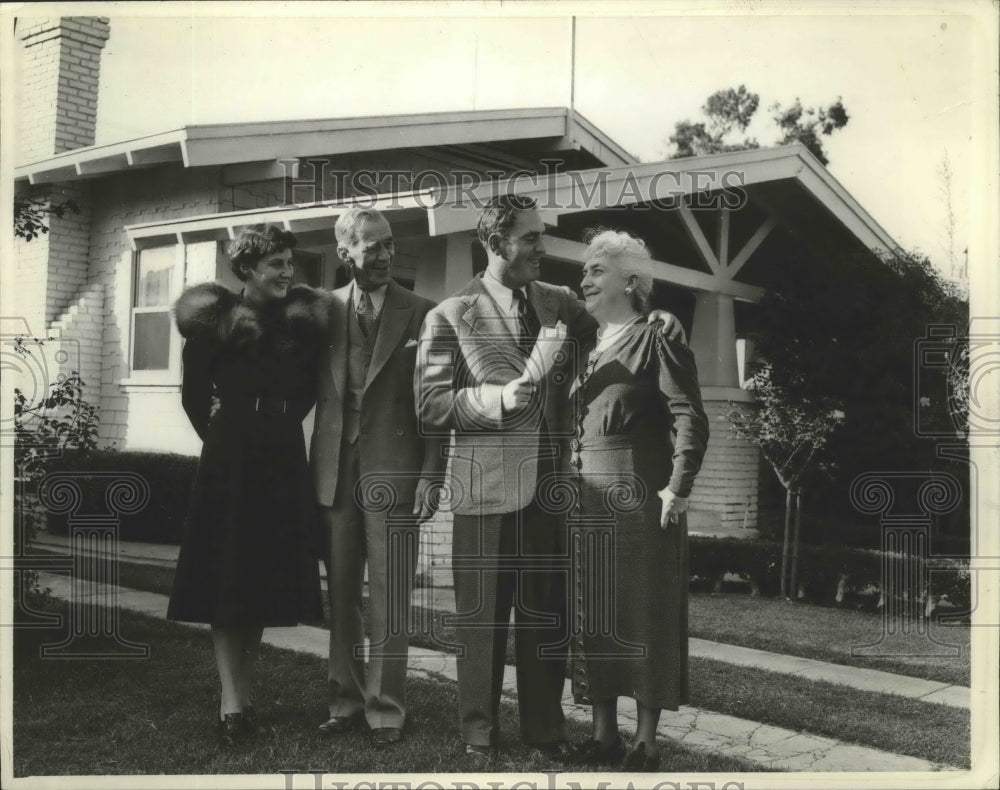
628	290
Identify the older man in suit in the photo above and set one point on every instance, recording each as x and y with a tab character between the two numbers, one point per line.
373	473
509	542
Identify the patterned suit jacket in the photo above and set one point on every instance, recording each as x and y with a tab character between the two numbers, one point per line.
467	354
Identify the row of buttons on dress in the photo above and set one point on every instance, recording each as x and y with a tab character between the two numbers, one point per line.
580	679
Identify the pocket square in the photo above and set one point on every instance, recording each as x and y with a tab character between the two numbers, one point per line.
410	343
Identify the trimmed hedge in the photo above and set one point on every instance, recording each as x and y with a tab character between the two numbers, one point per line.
859	533
821	569
170	478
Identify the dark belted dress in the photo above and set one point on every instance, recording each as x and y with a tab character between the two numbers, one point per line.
249	556
640	426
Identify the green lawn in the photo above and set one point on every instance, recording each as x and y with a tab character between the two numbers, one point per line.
153	716
933	732
824	633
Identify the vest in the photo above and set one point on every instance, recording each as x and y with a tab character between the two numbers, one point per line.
359	359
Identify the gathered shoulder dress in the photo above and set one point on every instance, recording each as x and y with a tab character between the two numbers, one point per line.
639	427
249	555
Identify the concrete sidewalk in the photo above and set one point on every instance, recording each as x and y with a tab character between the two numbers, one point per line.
774	748
441	599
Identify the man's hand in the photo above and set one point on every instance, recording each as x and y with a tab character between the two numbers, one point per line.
425	500
517	394
673	506
671	329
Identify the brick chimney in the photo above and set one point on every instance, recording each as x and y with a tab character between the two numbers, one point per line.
60	71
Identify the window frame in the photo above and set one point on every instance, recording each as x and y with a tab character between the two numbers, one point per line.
170	375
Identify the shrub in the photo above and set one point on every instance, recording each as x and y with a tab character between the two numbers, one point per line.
44	428
758	561
170	478
834	530
821	569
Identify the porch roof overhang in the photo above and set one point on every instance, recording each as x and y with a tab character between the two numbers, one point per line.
267	144
313	223
597	188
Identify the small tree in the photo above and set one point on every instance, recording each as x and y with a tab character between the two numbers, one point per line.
791	432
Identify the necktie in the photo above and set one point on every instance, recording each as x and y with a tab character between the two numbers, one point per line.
366	313
528	319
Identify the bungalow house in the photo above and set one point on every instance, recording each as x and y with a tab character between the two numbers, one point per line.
156	212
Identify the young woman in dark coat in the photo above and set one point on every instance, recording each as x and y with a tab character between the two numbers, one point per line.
249	555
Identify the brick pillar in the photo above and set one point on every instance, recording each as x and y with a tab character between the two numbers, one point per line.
724	499
60	68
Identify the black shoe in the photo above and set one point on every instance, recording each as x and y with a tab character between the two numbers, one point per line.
593	752
387	736
336	725
560	751
232	729
479	755
251	725
638	759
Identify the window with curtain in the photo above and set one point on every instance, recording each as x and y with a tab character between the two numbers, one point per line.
157	274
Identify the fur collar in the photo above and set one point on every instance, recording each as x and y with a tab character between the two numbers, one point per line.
210	311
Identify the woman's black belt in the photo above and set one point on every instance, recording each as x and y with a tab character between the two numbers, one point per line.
258	404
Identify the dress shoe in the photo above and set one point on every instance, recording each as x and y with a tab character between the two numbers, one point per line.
251	725
336	725
560	751
642	760
479	755
232	729
387	736
593	752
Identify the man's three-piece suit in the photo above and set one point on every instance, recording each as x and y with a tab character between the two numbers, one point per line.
367	456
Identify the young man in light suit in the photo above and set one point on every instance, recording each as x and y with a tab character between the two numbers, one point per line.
509	534
373	472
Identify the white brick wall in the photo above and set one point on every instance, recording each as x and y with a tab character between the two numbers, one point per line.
81	331
69	245
155	194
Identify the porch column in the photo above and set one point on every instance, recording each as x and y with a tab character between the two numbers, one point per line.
724	500
713	340
458	262
445	265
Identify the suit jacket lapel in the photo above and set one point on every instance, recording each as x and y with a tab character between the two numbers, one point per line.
339	316
487	323
546	305
396	315
485	320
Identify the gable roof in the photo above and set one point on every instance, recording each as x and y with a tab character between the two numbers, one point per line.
557	128
792	167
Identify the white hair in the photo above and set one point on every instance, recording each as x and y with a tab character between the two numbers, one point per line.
632	258
346	228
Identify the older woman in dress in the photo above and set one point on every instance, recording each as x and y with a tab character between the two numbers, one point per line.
640	436
248	558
